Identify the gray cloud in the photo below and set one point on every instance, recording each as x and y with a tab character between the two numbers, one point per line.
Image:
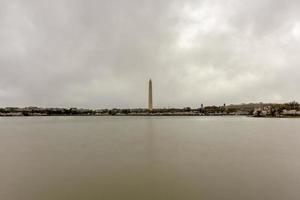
101	53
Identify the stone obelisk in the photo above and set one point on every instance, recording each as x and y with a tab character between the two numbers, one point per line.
150	100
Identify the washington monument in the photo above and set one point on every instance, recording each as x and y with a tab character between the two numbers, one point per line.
150	100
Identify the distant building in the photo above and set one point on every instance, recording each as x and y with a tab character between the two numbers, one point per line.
150	97
202	108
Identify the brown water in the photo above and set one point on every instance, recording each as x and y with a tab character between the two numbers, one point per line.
151	158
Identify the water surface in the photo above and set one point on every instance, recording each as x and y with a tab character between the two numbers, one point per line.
176	158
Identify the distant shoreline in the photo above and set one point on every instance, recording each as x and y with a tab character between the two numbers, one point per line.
265	110
147	115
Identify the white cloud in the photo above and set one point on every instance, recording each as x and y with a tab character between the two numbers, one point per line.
101	53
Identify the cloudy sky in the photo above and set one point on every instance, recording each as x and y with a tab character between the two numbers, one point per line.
101	53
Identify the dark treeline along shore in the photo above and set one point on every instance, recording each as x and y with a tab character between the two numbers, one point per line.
291	109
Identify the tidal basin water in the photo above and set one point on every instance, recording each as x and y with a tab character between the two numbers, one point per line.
151	158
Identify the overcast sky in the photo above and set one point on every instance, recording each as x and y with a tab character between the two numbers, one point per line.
101	53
